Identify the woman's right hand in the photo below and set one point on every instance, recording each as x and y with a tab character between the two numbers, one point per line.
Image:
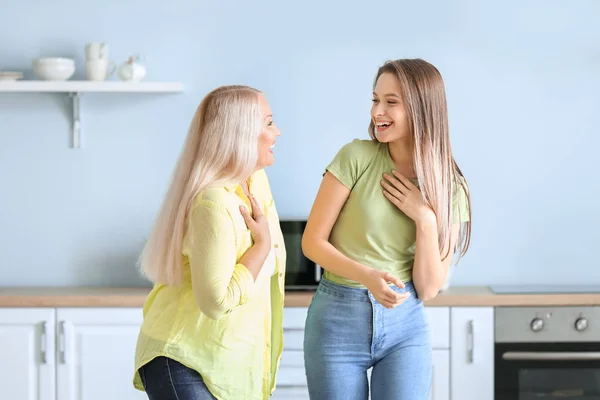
257	223
377	283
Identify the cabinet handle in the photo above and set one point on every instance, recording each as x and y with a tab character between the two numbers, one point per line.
317	273
291	386
62	355
43	341
471	342
432	396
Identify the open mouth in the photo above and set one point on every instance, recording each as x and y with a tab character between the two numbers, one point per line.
271	148
383	126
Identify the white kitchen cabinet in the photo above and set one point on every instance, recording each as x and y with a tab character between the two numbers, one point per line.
440	382
68	353
291	377
290	393
472	353
95	357
27	353
439	326
88	353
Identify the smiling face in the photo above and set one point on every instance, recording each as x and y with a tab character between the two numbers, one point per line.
388	112
267	136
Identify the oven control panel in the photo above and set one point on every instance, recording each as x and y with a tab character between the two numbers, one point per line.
547	324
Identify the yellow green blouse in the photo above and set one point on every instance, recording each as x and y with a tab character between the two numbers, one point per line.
220	322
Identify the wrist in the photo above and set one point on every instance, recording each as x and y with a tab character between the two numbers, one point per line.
364	273
426	219
262	241
262	247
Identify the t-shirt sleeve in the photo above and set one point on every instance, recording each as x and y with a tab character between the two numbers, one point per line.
351	161
460	205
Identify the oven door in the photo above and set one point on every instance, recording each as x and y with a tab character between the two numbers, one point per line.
528	371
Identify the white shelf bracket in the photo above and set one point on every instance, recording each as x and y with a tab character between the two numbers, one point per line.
76	128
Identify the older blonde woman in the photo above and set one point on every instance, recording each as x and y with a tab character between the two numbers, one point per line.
213	321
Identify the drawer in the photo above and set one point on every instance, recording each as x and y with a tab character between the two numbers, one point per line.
291	370
294	317
293	339
439	325
290	393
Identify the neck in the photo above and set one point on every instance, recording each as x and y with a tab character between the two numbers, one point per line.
401	151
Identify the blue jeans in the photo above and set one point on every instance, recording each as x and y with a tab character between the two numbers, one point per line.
347	332
166	379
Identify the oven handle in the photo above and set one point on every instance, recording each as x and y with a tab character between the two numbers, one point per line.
552	355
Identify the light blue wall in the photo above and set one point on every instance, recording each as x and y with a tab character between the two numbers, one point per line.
523	81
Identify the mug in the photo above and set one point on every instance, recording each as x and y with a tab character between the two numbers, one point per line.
96	51
99	70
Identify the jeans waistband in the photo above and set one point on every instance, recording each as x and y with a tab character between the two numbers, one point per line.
356	294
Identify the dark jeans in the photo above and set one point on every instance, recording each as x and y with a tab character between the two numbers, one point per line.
166	379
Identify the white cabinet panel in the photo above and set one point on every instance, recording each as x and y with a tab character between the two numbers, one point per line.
439	326
440	385
96	353
472	353
290	393
27	354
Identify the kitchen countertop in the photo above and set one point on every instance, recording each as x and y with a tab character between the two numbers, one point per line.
468	296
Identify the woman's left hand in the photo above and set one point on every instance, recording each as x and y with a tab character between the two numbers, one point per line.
406	196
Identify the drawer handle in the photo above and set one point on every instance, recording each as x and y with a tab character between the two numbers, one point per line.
471	343
62	343
291	386
43	340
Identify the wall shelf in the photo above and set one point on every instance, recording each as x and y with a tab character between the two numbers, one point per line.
74	89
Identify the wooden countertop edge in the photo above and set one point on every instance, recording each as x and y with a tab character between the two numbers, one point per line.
135	297
486	300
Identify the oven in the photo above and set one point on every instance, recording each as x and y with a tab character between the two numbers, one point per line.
547	353
301	273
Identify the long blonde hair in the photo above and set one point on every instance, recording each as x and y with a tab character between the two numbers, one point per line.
220	148
424	98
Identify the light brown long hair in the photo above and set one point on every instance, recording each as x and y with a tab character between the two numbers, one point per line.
424	98
220	148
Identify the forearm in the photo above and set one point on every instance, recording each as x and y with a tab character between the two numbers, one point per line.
217	301
429	273
254	258
327	256
216	297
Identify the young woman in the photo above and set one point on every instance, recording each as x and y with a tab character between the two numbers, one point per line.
384	225
213	321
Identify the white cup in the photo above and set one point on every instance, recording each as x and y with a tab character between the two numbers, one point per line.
99	70
96	51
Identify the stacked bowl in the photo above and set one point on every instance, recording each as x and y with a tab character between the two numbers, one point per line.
54	68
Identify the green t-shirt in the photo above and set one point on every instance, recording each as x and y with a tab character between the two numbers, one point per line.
370	229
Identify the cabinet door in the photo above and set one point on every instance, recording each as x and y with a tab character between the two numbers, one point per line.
440	384
291	378
96	350
472	353
439	326
290	393
27	354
